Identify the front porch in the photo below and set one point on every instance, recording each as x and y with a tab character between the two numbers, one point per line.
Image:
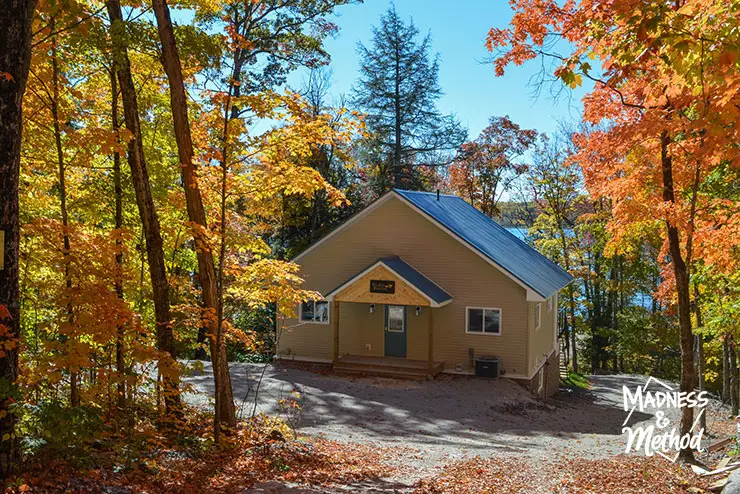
383	321
388	367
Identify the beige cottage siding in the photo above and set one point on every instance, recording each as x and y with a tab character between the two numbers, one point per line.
394	228
358	328
312	342
417	343
542	340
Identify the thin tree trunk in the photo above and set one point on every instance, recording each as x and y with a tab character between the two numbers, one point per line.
725	369
574	339
397	169
681	273
74	393
149	217
700	355
571	297
118	220
16	17
196	214
733	380
230	112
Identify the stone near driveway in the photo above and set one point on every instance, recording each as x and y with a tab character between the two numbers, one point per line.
733	483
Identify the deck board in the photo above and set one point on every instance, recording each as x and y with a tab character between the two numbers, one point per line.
389	366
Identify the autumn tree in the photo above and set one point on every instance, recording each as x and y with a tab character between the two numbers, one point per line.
15	36
671	101
484	169
196	213
556	192
305	221
145	202
266	41
398	90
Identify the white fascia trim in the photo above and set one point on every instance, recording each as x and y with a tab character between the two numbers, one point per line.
532	296
432	302
383	199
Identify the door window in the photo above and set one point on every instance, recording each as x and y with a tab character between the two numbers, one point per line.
395	318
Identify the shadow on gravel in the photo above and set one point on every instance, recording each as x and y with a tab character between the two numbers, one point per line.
463	412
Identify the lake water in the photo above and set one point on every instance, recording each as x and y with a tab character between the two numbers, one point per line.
521	233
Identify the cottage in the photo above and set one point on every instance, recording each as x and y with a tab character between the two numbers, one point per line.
422	283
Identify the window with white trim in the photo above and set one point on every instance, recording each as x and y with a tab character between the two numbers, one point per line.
537	315
315	311
483	320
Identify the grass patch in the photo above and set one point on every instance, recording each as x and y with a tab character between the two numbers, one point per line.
576	380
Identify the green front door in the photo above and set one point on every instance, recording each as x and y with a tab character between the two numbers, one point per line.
395	331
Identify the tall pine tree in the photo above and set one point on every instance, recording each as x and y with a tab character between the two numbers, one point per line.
398	89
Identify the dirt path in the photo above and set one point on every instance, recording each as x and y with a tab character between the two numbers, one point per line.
435	423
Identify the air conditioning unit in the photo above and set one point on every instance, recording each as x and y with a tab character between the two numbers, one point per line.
487	367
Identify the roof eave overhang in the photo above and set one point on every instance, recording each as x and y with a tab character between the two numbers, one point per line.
534	296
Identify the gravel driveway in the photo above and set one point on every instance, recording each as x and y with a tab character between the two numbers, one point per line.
438	422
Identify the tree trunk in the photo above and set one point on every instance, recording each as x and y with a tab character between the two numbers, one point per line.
571	299
700	355
725	370
681	273
574	339
397	169
16	17
733	380
74	393
196	213
118	221
149	218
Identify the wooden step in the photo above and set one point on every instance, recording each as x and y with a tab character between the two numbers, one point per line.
563	367
388	367
398	374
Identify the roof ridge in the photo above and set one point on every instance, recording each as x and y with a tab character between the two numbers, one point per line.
434	193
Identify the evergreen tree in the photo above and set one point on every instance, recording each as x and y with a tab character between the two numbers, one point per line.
398	89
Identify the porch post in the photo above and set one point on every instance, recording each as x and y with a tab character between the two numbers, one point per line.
336	330
431	338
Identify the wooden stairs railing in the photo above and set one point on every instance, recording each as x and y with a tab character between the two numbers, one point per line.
563	365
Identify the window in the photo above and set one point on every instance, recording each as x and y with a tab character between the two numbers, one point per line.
481	320
537	315
315	311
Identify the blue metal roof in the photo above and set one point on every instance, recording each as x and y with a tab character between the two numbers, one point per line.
492	240
409	274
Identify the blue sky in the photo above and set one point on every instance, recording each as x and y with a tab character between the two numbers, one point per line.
458	32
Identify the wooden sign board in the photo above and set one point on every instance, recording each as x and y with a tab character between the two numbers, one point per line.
382	286
2	250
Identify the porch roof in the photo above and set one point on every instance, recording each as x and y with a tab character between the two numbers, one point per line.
436	296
